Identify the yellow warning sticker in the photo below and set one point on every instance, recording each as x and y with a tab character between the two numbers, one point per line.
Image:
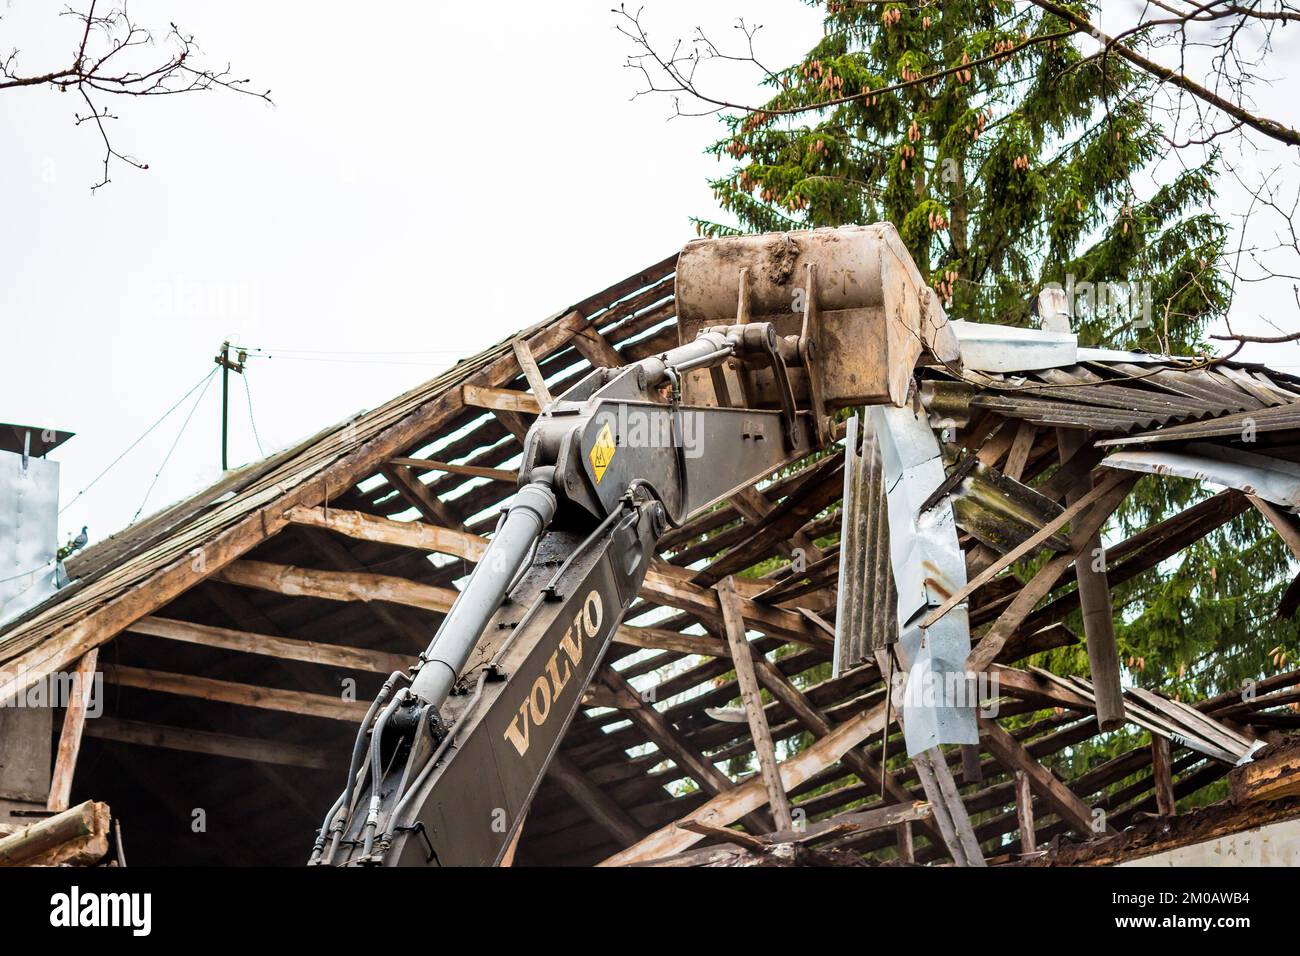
602	453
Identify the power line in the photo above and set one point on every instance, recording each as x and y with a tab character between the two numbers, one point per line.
350	361
175	442
267	349
248	393
142	437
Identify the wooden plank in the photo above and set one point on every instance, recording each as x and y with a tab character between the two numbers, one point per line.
1273	776
1025	813
663	586
725	834
245	695
600	806
473	471
1018	456
214	744
1094	600
1012	754
336	585
726	808
500	399
986	651
416	494
414	634
74	725
949	811
332	655
1162	776
1283	523
407	534
595	348
743	659
1027	547
905	847
656	727
661	639
533	374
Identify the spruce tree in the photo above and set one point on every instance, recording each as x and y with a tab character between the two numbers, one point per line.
1010	157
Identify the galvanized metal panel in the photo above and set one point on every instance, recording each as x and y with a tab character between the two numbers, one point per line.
1005	348
29	511
1272	479
929	567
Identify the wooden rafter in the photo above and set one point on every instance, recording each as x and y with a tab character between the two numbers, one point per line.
336	585
760	732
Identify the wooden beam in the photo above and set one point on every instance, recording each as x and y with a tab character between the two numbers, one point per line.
1012	754
419	535
472	471
743	659
1283	523
725	834
664	586
595	348
87	822
244	695
1162	776
1094	600
726	808
416	634
842	830
500	399
1018	456
1025	813
336	585
332	655
656	727
416	494
949	811
600	806
1030	545
904	845
657	638
74	725
1273	776
688	759
214	744
986	651
533	374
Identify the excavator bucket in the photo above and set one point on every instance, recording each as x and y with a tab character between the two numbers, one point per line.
854	292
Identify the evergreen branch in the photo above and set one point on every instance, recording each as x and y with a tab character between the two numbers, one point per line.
685	81
1269	127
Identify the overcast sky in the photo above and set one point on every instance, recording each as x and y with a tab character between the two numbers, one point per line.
431	178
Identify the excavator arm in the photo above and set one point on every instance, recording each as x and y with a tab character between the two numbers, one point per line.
449	757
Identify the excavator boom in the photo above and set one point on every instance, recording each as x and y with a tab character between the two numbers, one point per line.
449	757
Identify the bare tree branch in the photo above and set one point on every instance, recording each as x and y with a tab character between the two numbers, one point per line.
118	57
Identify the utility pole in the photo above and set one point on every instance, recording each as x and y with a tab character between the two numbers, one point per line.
227	366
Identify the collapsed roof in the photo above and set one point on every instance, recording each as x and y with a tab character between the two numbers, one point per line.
241	631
